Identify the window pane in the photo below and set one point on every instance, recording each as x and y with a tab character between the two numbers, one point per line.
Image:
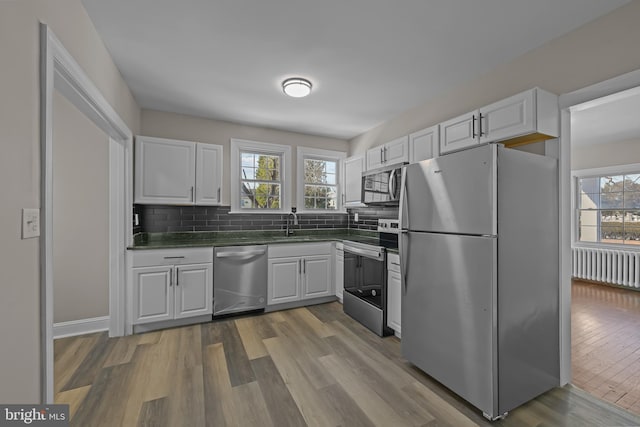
588	226
632	227
331	179
248	160
611	200
632	199
589	185
610	184
632	182
314	171
248	173
589	201
309	203
611	226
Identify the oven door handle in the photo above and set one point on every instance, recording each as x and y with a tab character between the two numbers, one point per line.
364	252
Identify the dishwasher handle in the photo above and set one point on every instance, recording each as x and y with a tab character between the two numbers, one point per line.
240	254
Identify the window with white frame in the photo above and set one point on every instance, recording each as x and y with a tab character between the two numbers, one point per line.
319	177
608	208
260	176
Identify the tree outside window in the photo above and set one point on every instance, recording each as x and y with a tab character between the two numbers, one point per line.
320	184
260	184
609	209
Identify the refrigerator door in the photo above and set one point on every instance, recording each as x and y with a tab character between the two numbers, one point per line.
452	193
448	314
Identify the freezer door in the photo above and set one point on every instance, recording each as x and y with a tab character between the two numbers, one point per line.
452	193
448	313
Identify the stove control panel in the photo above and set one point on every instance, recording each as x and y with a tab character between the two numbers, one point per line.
389	226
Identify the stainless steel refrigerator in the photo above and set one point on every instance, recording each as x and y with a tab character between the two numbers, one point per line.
479	255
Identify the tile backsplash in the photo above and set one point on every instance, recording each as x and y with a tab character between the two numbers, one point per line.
162	218
368	216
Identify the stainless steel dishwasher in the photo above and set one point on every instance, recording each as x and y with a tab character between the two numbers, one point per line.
239	279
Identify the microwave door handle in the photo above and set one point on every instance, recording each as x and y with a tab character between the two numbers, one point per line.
392	184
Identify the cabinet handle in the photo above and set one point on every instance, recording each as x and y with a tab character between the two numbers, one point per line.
480	125
177	277
381	158
174	257
219	195
384	150
473	126
192	199
171	277
304	266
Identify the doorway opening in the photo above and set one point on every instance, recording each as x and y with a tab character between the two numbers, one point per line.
600	122
60	73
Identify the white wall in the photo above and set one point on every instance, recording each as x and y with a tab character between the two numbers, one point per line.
601	155
602	49
177	126
80	215
20	168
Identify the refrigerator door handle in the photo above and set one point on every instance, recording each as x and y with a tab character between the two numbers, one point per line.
403	216
404	262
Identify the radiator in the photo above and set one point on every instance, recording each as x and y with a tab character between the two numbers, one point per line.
612	266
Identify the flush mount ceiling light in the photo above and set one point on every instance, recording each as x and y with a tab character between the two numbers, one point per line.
296	87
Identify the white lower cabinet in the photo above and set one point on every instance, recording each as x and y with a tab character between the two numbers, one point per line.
339	279
299	271
394	293
168	284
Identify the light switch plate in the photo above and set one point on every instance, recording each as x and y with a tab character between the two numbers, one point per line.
30	223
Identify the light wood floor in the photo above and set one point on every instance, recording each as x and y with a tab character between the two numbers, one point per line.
606	343
304	367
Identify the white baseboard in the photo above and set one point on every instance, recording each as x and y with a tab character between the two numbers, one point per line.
80	327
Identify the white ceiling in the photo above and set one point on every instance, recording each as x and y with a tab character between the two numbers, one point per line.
614	118
369	60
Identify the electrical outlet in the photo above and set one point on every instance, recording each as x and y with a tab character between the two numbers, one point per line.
30	223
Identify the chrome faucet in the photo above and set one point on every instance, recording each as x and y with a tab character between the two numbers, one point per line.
289	230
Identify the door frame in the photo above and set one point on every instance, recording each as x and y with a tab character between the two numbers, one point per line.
59	71
567	102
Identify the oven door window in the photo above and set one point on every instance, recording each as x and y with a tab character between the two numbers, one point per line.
364	278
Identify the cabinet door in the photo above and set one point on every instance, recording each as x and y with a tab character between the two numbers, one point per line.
508	118
375	157
208	174
152	294
318	278
339	276
193	289
353	168
165	171
396	151
424	144
458	133
394	302
284	280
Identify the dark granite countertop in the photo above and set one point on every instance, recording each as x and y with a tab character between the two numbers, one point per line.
244	238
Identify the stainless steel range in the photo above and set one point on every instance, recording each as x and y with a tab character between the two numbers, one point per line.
365	282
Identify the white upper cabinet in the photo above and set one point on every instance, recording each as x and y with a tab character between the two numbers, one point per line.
527	117
173	172
165	171
352	193
396	151
424	144
208	174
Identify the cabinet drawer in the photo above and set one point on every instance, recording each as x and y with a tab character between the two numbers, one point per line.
393	262
145	258
299	249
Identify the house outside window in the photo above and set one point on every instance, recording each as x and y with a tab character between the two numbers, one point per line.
319	180
608	208
260	177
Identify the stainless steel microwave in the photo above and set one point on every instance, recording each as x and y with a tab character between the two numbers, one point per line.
382	186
